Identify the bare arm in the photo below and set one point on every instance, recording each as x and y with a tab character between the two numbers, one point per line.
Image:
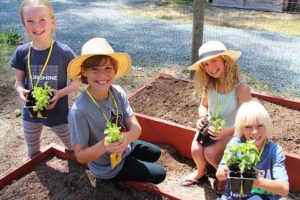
203	107
274	186
243	93
221	173
74	84
19	84
87	154
134	129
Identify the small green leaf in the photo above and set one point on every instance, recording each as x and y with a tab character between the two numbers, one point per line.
18	112
113	133
42	96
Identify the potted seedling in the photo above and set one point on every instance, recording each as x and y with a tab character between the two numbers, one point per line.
113	135
37	101
241	160
217	122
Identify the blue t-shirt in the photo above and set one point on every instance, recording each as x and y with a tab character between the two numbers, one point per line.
271	166
55	74
87	126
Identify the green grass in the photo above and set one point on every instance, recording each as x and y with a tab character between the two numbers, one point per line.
8	42
221	16
261	86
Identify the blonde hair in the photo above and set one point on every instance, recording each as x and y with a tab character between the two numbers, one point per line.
230	76
35	3
252	112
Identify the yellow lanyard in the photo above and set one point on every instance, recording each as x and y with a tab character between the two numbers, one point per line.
217	100
44	67
262	149
101	109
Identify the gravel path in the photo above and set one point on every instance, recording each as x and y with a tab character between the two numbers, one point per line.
270	57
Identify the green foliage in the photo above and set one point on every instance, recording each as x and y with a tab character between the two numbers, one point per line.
11	37
244	155
217	121
42	96
113	133
164	17
6	50
18	112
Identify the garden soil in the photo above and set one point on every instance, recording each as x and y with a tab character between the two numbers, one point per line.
60	179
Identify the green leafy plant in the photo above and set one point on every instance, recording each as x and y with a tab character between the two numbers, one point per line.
245	156
13	38
18	112
217	121
113	133
42	96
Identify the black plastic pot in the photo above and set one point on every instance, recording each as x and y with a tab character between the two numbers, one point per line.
248	178
30	103
241	182
204	137
235	179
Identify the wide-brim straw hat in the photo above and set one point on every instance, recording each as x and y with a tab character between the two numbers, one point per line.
99	46
212	49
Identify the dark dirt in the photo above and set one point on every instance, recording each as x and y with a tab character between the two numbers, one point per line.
62	179
168	99
171	99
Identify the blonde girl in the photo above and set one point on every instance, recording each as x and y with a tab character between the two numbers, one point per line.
43	60
217	80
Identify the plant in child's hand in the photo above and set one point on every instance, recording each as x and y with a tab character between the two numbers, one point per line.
241	160
245	156
217	121
42	96
113	135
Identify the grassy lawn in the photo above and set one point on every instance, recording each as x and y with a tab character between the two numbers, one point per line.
8	43
215	15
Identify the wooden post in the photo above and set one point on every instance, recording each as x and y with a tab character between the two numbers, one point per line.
198	24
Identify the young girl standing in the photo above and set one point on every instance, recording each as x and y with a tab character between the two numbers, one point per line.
101	105
253	123
39	61
217	80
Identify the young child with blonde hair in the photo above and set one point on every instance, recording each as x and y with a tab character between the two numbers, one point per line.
37	62
254	123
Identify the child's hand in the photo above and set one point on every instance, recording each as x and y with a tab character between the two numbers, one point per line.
223	172
216	135
22	93
116	147
54	99
201	122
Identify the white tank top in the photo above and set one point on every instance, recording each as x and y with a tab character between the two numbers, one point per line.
228	105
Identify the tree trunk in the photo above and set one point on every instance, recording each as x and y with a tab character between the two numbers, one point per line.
198	24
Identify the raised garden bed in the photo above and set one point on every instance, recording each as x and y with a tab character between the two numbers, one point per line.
55	174
168	112
174	139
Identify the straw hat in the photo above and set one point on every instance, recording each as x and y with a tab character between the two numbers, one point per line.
99	46
212	49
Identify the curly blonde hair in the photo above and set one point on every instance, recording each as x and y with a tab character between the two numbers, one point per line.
230	76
